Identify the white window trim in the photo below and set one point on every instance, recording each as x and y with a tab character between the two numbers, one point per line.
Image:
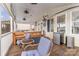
71	11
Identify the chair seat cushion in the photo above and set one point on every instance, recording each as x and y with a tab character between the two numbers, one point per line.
44	46
36	40
30	53
19	42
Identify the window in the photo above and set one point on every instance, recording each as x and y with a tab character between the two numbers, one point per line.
5	26
61	23
4	20
75	22
48	25
23	27
52	26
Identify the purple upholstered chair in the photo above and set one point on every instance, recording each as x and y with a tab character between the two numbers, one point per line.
27	36
26	40
43	48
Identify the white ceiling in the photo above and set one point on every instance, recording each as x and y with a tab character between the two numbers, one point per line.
36	12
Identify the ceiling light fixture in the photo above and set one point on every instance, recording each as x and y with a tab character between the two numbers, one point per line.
26	11
24	19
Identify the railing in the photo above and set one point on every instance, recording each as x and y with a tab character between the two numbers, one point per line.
5	43
3	35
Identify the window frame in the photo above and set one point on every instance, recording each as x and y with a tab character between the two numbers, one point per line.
52	25
71	13
6	19
61	14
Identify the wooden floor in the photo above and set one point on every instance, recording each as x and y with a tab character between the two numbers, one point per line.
58	50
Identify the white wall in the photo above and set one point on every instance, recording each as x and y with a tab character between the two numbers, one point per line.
52	12
48	34
68	22
6	42
76	40
76	36
0	47
0	26
6	38
68	28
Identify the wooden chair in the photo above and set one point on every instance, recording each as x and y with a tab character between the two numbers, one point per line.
44	48
25	41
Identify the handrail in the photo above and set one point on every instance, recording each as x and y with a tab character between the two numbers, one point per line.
2	35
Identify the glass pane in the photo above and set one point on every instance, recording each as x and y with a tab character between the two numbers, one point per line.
5	20
61	19
75	16
48	25
52	28
61	23
75	22
5	26
4	15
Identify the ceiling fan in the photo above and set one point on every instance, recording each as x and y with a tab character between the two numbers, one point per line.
26	11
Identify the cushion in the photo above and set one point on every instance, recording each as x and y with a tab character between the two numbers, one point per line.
44	46
36	40
30	53
27	37
19	42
